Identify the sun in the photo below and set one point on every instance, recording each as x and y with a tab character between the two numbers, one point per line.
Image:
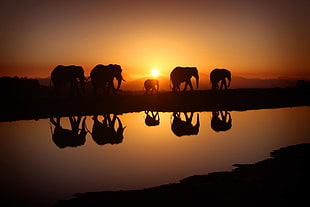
155	72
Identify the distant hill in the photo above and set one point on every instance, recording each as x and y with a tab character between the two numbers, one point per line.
132	84
204	83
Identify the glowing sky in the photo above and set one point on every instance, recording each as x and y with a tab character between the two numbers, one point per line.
258	38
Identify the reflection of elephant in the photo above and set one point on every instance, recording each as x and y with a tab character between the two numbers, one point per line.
151	85
181	127
61	76
152	118
102	76
105	132
221	121
218	75
69	137
183	74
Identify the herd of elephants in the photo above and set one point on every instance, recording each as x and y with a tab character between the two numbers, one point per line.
103	76
108	128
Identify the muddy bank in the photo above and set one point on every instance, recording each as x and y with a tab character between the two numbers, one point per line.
281	180
25	108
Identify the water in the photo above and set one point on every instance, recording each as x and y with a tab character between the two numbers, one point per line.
37	170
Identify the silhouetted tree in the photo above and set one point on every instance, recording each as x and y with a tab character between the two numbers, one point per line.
19	87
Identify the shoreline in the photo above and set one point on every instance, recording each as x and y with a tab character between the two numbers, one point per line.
28	108
278	180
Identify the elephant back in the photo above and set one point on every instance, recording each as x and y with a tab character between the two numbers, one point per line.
105	72
68	73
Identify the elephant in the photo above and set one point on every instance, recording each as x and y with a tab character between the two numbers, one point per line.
105	132
152	118
62	75
183	74
218	75
184	127
151	85
221	121
102	76
69	137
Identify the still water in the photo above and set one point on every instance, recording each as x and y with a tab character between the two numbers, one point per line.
42	163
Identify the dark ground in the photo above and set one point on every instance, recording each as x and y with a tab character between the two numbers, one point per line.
282	180
45	105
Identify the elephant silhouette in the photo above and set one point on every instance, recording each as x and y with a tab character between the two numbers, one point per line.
221	121
151	85
182	127
183	74
220	75
152	118
105	131
66	80
102	76
69	137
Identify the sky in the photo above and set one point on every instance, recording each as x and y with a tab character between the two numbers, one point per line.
255	39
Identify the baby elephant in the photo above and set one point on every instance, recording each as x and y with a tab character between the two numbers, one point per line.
151	85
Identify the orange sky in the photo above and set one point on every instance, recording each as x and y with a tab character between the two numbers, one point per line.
258	38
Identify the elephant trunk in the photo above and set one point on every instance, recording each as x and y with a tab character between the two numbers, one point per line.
197	121
229	80
83	130
196	127
119	81
82	80
120	129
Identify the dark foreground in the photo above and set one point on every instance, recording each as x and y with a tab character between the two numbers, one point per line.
46	105
282	180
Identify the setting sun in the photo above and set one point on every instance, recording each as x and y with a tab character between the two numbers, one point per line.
155	72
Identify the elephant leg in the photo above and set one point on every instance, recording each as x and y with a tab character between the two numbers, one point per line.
174	88
105	89
74	90
111	87
215	85
57	90
95	90
185	86
223	84
190	85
